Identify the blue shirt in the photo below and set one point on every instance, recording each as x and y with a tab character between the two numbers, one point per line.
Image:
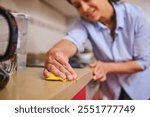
132	42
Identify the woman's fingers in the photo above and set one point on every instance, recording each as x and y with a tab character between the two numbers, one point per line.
65	73
59	70
100	78
92	64
46	73
104	78
99	72
55	70
70	72
98	69
58	64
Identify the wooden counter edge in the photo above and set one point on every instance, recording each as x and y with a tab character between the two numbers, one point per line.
74	87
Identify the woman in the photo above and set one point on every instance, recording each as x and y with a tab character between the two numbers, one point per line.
120	37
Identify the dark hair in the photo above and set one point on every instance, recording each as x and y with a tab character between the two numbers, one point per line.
108	0
113	1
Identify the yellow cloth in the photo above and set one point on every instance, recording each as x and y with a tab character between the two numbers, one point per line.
53	77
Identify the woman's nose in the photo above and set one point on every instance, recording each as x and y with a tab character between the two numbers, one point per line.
85	7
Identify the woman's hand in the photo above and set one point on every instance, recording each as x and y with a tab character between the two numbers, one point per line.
57	63
99	71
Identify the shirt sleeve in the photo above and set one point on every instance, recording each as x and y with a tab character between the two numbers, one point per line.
78	35
142	40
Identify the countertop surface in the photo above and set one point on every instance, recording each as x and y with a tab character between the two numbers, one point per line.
29	84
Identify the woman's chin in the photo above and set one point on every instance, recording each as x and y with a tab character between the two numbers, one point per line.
92	19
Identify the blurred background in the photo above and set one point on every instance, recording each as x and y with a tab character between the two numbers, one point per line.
49	21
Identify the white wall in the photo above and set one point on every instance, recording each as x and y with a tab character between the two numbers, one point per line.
144	4
46	26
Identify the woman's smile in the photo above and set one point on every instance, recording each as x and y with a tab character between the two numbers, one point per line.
91	14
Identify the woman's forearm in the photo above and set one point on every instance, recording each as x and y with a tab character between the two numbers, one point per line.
57	58
65	46
123	67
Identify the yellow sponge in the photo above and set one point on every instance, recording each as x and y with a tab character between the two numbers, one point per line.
53	77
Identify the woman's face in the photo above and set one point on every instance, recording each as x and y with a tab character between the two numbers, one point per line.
92	10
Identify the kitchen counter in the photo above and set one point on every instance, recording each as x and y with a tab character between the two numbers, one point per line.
29	84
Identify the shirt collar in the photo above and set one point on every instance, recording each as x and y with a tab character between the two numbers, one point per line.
119	15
